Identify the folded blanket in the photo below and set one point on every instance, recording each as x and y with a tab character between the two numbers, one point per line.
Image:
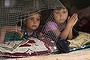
82	41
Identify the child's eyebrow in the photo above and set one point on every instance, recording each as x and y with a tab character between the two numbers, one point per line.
64	10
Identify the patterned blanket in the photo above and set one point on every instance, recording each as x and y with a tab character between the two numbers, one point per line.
25	48
36	47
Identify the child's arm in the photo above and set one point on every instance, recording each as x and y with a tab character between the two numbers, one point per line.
70	35
67	32
64	34
75	18
2	35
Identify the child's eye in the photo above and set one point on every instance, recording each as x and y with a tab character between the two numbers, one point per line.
64	11
31	18
56	12
38	19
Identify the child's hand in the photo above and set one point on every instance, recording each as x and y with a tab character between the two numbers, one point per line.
73	19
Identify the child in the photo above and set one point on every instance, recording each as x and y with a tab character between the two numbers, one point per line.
31	24
60	24
59	28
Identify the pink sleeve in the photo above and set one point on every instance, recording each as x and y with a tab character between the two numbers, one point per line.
52	26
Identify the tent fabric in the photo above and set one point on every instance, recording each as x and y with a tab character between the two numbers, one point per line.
9	15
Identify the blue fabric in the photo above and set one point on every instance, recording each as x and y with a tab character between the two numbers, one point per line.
34	34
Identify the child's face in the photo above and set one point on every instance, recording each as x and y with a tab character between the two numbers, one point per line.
60	15
33	21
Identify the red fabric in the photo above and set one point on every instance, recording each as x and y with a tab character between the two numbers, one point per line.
18	55
28	43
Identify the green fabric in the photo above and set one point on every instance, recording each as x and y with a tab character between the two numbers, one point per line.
12	36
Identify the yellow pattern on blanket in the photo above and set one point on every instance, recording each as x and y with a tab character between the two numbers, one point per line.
81	40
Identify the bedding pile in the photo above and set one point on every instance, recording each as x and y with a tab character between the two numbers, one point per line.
38	47
24	48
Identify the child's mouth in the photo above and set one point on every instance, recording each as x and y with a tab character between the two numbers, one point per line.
34	25
62	20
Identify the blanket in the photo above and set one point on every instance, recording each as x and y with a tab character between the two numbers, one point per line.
36	47
24	48
76	55
81	40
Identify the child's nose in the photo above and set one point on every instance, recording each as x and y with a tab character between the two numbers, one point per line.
35	21
60	15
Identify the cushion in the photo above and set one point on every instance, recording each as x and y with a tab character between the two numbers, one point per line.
80	41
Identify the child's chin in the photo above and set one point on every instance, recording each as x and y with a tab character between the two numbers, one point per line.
34	28
61	22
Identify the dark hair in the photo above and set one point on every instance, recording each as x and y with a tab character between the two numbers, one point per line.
59	8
